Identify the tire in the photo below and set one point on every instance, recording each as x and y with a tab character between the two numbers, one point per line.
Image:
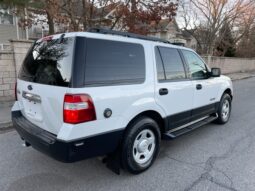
140	146
224	109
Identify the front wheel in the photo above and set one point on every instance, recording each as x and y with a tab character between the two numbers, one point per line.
224	109
140	145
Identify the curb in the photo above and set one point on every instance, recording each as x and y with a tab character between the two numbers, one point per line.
6	103
5	122
5	125
243	78
6	130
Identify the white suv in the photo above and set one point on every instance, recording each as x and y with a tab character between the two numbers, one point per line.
103	92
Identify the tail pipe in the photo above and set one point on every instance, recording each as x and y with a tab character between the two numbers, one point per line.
26	144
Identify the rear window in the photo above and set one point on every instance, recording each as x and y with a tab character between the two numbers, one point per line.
114	62
49	62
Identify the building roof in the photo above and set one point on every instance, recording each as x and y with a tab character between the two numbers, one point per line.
99	12
163	25
187	34
106	10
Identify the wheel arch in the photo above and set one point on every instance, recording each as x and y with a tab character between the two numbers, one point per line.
228	91
162	122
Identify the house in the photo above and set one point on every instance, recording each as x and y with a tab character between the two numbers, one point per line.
10	28
105	16
169	30
191	42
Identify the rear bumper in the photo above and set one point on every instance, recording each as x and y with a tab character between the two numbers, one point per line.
72	151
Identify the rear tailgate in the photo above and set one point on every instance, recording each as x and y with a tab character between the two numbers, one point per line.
43	80
43	105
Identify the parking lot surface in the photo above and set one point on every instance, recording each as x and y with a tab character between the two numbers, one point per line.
213	158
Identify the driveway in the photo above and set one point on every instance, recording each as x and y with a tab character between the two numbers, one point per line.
213	157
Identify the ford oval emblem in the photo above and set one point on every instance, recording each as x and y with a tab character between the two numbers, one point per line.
29	87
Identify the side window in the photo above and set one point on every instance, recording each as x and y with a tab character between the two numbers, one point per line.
160	67
196	66
114	62
172	64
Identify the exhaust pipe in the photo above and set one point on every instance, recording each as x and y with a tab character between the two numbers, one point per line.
26	144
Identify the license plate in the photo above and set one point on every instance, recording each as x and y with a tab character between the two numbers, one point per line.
32	107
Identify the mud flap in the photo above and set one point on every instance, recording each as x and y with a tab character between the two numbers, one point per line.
112	162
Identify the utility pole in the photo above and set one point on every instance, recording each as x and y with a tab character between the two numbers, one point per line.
16	21
26	23
17	26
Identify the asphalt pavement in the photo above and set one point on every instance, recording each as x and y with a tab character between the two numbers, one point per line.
213	158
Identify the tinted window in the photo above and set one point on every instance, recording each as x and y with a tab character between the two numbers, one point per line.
196	66
111	62
173	65
49	62
160	67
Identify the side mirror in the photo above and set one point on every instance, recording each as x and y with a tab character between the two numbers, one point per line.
215	72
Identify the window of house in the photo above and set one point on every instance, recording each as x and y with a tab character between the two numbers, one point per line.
6	17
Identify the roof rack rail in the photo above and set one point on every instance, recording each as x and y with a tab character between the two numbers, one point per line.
126	34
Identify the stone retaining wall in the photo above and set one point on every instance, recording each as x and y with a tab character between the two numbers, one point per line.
231	65
10	62
7	76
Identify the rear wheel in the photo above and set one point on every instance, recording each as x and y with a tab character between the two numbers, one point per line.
224	109
141	145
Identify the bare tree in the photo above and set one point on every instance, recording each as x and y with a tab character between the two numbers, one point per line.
209	16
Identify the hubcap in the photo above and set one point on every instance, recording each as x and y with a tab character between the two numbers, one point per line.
225	110
144	146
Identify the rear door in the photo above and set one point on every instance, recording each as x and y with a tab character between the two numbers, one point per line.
174	91
205	88
43	81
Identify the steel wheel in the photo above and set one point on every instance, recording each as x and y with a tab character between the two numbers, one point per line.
144	146
140	146
225	110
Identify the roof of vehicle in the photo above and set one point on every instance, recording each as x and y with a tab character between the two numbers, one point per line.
124	38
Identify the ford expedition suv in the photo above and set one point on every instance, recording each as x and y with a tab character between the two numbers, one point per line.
103	92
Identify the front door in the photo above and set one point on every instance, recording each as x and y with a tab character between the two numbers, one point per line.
205	87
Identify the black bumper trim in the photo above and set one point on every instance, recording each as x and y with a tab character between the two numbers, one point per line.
63	151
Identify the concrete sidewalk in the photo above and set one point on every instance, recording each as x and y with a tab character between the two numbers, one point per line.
241	75
5	114
5	108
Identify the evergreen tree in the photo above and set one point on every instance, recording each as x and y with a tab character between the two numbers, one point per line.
225	45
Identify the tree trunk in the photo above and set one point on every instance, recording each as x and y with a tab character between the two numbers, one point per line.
133	6
84	19
133	11
50	23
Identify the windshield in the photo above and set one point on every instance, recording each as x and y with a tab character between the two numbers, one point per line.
49	62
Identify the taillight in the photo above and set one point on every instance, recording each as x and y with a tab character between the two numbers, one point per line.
78	108
15	91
